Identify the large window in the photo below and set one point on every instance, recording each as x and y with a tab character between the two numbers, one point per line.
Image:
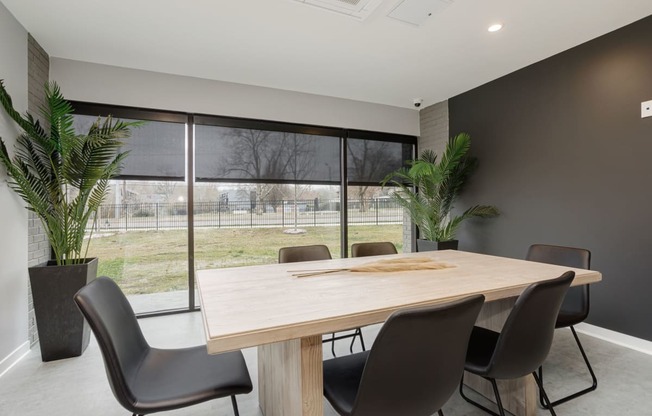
141	240
274	186
202	192
140	233
372	214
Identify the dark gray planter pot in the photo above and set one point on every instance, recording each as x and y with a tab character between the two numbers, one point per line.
427	245
62	330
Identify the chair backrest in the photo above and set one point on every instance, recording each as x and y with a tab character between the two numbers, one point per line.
303	253
417	360
372	249
576	305
118	334
526	337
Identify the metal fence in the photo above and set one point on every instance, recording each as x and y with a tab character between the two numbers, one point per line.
219	214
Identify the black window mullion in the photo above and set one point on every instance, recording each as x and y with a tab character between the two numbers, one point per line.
116	111
344	200
190	176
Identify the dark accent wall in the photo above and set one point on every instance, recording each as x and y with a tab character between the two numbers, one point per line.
567	158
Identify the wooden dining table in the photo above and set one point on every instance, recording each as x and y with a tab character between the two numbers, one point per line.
285	316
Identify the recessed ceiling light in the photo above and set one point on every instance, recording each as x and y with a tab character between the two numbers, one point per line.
495	28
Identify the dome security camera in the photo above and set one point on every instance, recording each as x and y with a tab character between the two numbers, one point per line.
417	102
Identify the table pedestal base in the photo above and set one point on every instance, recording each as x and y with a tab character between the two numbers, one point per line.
290	378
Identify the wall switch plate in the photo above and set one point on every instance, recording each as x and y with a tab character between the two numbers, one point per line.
646	109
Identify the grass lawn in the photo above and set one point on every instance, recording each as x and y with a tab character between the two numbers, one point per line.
157	261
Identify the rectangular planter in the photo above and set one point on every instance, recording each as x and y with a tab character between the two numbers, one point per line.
62	330
427	245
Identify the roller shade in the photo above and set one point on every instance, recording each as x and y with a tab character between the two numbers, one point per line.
369	161
156	149
240	154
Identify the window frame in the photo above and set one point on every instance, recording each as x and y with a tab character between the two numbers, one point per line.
192	119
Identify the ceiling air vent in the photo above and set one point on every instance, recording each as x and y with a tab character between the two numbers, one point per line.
416	12
358	9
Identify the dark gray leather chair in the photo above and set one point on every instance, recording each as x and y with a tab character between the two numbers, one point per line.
524	342
147	380
413	367
575	308
366	250
314	253
304	253
372	249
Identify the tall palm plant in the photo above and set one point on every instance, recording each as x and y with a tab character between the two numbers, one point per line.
61	175
437	185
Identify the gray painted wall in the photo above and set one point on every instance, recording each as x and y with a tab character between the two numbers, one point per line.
565	155
13	218
85	81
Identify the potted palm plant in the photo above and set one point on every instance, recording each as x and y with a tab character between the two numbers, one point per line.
428	189
63	178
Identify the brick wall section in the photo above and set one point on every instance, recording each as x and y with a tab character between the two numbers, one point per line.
434	127
434	135
38	68
407	234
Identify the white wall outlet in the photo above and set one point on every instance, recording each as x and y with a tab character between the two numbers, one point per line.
646	109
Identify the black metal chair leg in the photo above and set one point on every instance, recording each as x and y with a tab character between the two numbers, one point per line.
498	401
478	405
355	334
334	337
440	413
541	402
235	406
358	333
594	379
543	393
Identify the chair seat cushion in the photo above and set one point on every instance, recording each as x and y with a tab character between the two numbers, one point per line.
481	348
170	379
342	377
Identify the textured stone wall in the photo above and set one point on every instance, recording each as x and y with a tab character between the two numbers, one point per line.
408	247
38	68
434	127
433	122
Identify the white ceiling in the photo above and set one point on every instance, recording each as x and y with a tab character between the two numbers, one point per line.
289	45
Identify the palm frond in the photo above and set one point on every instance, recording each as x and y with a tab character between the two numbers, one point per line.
427	189
63	176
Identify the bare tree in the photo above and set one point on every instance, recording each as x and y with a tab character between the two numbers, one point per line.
264	155
300	155
368	161
165	188
253	155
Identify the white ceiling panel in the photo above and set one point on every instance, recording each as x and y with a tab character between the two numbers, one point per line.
290	45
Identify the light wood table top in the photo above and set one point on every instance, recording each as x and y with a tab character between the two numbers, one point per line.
255	305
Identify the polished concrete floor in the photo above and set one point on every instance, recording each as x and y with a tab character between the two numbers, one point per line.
78	386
